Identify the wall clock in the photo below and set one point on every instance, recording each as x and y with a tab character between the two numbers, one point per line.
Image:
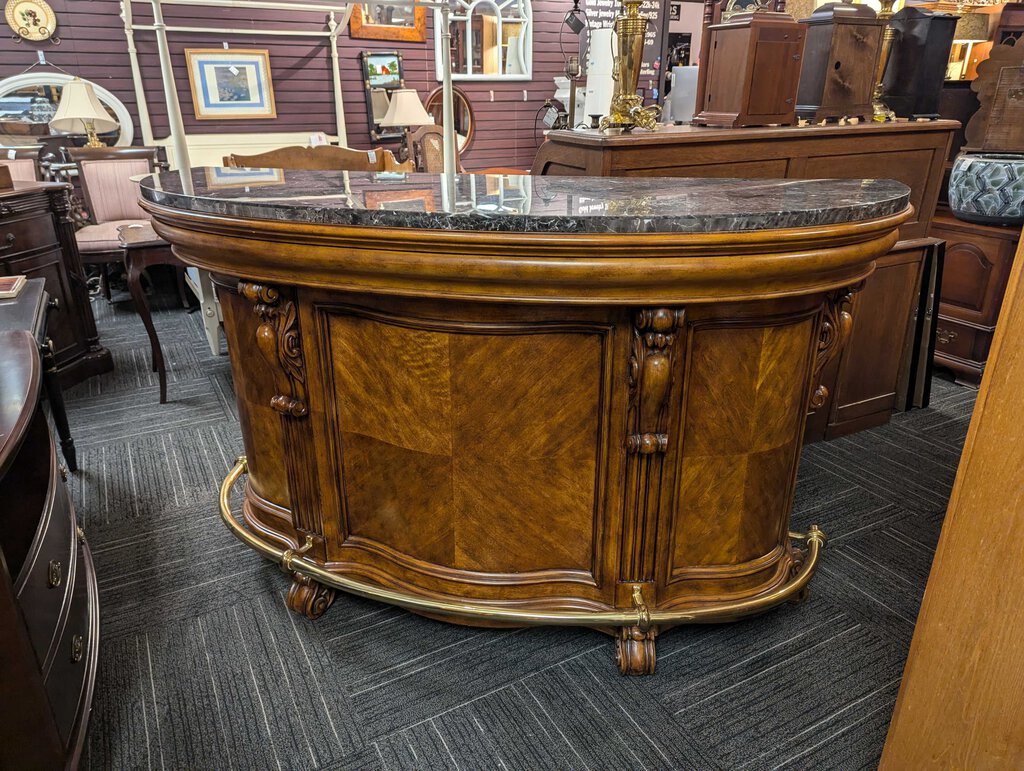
31	19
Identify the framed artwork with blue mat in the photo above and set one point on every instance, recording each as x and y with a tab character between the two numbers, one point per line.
231	84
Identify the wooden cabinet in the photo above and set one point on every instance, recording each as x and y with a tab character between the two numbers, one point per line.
37	239
978	263
49	607
891	339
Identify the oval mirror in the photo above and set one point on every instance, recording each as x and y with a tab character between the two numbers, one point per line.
463	114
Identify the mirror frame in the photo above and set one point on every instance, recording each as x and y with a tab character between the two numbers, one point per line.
362	29
437	95
30	79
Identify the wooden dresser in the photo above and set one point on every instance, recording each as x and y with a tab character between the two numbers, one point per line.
978	263
890	348
49	608
37	239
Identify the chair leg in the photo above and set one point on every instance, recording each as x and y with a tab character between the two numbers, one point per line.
105	280
182	289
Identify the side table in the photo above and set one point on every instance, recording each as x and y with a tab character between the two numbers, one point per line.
29	312
144	248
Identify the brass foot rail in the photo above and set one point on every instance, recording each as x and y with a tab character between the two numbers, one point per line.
294	561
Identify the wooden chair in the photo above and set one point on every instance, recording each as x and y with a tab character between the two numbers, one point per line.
322	157
426	150
111	199
23	161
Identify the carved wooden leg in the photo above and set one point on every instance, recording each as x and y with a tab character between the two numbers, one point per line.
635	650
308	597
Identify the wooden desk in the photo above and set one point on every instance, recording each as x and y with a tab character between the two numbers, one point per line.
30	311
890	340
530	400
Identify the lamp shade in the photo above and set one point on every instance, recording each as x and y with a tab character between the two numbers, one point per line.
79	107
406	109
972	27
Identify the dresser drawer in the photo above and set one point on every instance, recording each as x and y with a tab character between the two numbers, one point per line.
70	679
958	340
27	234
44	586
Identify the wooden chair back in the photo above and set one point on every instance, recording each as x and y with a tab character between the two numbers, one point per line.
105	175
322	158
426	150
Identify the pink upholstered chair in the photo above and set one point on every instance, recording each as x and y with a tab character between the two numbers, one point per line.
22	161
112	199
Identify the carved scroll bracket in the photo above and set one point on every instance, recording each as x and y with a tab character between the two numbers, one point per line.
836	326
650	374
279	342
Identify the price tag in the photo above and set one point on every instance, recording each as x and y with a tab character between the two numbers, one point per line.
12	154
233	69
371	155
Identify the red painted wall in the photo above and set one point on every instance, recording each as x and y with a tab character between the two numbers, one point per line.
93	45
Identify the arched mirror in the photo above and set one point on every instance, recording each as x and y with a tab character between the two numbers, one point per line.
28	102
462	109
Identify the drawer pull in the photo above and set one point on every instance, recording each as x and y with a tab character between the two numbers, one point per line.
77	648
945	336
56	574
8	242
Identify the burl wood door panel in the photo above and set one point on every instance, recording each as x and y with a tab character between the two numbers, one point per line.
740	430
447	427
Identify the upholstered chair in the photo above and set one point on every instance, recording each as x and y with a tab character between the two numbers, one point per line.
111	197
426	150
22	161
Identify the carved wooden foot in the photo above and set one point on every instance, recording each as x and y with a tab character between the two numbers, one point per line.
308	597
634	651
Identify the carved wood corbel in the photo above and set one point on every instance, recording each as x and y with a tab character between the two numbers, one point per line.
278	339
649	377
836	326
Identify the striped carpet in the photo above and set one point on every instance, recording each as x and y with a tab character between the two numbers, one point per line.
203	668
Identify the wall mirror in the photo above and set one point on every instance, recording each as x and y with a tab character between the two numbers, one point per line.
29	101
376	21
462	110
491	40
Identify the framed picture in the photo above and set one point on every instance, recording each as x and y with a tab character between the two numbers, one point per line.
230	84
382	73
675	11
373	21
241	177
401	200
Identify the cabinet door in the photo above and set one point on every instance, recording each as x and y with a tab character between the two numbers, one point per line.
975	275
62	325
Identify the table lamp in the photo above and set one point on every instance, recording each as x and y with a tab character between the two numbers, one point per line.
80	112
406	110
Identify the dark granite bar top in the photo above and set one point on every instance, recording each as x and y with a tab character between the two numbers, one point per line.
526	204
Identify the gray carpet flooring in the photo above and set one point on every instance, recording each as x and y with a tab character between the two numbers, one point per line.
202	667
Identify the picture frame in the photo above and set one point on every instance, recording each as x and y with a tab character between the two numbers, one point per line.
231	84
421	200
382	73
228	176
372	21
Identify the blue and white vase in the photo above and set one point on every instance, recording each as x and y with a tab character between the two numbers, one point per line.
988	188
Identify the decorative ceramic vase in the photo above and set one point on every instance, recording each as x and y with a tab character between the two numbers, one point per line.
988	188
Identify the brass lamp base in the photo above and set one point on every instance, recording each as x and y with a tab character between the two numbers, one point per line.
628	112
92	139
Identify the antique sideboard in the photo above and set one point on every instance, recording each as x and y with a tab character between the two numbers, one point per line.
49	603
530	400
37	239
890	348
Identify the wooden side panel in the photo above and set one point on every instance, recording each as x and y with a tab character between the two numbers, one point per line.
741	429
962	696
447	427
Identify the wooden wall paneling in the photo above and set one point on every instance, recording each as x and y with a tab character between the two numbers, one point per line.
962	696
95	48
